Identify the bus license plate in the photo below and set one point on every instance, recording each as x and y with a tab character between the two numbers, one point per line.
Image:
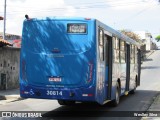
55	79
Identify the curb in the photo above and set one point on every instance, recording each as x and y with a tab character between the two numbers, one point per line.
12	97
2	97
9	99
156	104
154	107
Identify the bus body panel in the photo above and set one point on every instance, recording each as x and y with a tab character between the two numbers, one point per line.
57	64
119	70
57	61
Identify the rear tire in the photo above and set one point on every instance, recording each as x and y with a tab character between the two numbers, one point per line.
61	102
115	102
133	91
64	102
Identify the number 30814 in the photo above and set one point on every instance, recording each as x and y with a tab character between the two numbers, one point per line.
54	92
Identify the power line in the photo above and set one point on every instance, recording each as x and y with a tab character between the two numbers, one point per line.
138	13
83	6
95	4
79	7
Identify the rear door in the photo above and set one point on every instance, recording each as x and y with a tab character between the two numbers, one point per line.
108	64
104	81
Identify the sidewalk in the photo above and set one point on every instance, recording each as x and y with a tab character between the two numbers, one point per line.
154	108
7	96
156	104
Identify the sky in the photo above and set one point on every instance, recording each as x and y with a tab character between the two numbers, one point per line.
134	15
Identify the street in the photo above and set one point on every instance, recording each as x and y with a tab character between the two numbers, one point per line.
140	101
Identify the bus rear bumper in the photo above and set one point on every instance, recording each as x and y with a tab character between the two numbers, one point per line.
76	94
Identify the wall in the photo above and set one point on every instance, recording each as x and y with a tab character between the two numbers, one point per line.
9	67
146	39
148	43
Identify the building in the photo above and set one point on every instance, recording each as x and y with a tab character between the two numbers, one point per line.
15	40
10	36
147	40
9	65
4	43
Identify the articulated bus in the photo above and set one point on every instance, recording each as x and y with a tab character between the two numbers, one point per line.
77	60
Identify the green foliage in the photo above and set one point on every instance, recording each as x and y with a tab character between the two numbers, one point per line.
158	38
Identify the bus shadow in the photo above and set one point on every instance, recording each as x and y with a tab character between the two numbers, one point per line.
140	101
150	67
149	59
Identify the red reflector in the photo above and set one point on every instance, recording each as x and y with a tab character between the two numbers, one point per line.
87	95
22	92
87	18
90	95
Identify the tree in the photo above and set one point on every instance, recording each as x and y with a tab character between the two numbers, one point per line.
158	38
132	35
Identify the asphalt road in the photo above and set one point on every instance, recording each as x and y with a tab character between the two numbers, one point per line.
140	101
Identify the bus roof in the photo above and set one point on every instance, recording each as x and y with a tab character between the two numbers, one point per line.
59	18
119	34
109	29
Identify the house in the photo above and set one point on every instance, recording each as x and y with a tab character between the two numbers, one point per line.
15	40
4	43
147	40
9	65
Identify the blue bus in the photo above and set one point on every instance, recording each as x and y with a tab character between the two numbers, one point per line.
77	60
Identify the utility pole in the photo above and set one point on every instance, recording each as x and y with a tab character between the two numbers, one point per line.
4	28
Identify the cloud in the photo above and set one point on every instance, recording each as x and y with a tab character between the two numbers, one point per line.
129	5
112	12
70	11
35	7
16	10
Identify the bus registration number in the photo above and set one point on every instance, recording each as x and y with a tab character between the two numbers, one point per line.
54	92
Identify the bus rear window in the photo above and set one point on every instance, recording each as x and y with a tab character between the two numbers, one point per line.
76	28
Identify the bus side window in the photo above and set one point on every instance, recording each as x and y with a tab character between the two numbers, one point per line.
122	52
132	51
133	54
101	44
136	54
116	50
106	49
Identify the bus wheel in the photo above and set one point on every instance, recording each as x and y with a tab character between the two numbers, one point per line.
64	102
61	102
115	102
